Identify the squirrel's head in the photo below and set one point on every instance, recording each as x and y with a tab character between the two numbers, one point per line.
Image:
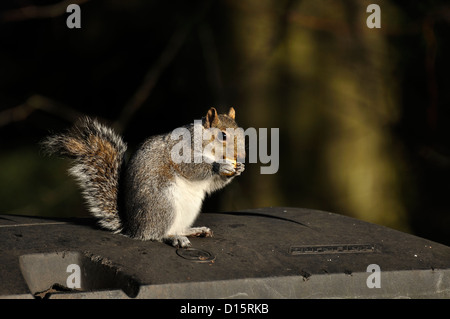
226	140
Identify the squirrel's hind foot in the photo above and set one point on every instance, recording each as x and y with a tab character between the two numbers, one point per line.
178	241
182	241
199	232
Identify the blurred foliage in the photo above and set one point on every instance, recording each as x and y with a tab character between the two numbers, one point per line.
363	113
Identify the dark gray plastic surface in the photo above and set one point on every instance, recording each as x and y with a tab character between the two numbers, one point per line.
261	253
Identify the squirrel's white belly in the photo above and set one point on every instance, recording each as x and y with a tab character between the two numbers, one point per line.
187	198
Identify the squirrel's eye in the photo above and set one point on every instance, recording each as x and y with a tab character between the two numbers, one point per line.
222	136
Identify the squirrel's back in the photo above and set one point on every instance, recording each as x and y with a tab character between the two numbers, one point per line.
97	153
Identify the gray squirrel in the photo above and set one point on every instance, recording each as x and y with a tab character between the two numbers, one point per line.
153	196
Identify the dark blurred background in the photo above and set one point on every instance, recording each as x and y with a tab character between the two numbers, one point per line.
363	113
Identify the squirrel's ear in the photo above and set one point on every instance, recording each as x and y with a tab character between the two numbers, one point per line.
212	119
232	113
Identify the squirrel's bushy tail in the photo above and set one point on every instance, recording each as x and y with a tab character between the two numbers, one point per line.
98	154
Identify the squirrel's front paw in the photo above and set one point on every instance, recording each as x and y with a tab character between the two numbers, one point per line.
240	167
226	169
230	169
